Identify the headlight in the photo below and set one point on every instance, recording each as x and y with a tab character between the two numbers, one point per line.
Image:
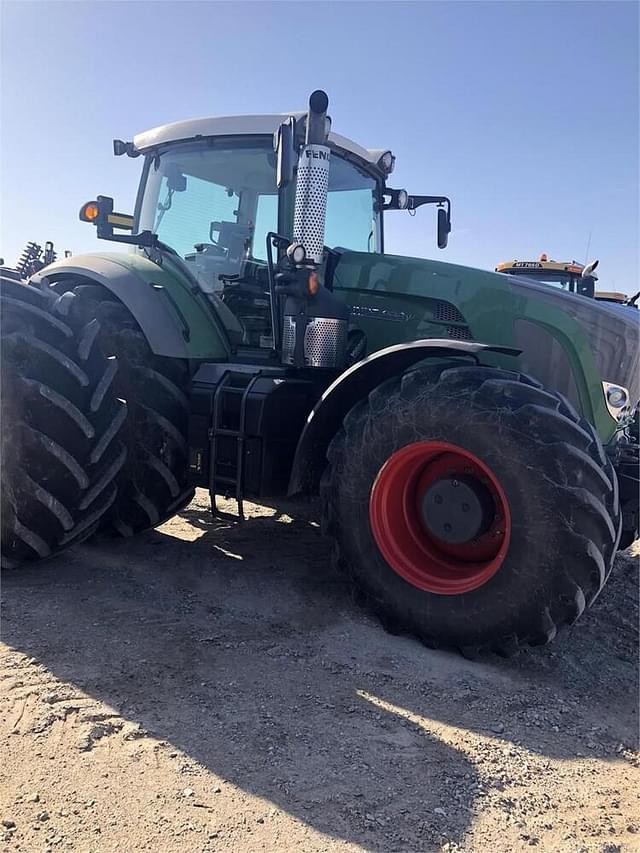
617	400
297	253
387	162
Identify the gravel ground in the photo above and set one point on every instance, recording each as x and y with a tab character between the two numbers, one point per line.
211	686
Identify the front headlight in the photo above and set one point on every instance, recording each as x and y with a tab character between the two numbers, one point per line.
617	400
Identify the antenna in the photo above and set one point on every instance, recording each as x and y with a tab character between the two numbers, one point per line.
586	254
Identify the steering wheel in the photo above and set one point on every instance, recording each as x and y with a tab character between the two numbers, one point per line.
218	250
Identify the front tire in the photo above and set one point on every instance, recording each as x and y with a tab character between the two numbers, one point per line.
542	495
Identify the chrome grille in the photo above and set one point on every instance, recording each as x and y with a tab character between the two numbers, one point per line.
288	340
325	342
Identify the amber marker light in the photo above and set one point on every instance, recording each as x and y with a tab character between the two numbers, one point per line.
90	211
313	283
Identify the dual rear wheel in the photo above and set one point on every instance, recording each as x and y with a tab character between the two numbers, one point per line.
62	425
94	426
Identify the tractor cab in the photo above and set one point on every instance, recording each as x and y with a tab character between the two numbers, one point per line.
214	198
221	193
570	276
210	191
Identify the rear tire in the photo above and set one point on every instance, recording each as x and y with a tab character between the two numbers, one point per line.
630	523
154	484
61	424
560	491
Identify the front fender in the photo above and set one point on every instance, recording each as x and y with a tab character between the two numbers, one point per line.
173	316
353	385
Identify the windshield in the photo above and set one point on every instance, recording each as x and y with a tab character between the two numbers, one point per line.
352	222
563	282
570	282
219	198
215	200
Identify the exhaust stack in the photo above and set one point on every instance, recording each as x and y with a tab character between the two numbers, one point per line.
313	180
315	328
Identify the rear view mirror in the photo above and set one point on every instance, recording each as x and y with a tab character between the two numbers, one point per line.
590	269
444	227
285	152
176	181
444	214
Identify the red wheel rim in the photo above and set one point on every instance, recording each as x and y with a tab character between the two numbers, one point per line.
399	529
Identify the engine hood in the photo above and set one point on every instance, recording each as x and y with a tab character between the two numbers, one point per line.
613	330
568	342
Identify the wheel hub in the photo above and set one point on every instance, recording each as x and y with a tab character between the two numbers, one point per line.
457	509
440	517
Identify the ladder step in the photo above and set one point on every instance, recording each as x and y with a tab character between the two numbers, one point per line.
229	481
240	435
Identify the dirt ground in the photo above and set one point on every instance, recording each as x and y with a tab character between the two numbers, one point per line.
211	686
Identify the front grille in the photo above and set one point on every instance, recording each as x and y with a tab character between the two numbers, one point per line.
459	333
447	313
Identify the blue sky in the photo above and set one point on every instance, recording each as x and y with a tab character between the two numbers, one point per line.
524	113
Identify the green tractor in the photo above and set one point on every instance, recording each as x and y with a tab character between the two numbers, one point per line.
467	431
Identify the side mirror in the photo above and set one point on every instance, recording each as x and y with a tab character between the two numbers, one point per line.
444	227
590	268
444	214
284	145
128	148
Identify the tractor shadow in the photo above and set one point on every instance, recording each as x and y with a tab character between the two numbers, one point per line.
240	646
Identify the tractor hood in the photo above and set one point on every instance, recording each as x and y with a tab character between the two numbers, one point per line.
569	342
614	334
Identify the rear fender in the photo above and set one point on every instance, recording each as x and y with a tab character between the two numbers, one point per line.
172	313
353	385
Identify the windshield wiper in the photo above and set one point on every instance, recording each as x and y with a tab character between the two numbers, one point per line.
163	206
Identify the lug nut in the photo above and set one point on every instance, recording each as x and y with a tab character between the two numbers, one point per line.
438	499
465	507
447	527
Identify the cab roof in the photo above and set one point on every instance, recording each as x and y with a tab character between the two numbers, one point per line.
242	125
540	266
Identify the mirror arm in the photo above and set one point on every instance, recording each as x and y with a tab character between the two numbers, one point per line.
416	201
145	239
